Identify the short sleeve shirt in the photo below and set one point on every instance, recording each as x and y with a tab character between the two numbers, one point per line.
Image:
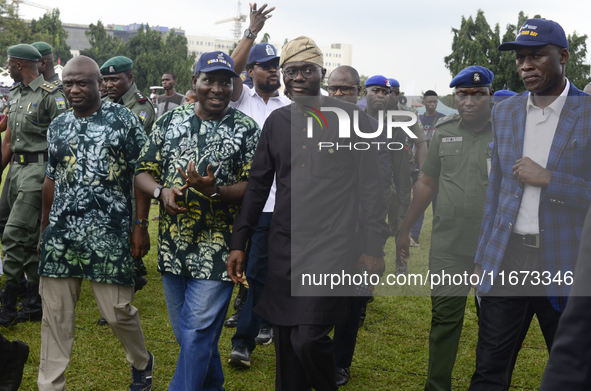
31	110
92	161
195	244
459	158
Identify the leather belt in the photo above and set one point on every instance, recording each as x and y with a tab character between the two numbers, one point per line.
27	157
532	241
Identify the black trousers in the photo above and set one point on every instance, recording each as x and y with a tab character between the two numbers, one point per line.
345	334
506	313
305	358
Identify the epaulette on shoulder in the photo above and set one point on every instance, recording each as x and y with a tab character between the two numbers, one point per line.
49	87
58	83
448	118
14	86
140	96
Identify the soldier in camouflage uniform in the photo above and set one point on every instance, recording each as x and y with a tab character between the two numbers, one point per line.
118	78
33	104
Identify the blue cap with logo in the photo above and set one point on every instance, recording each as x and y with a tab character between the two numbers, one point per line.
473	76
263	52
215	61
378	80
501	95
393	82
538	32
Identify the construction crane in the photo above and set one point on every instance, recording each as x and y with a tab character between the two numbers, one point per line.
16	4
238	19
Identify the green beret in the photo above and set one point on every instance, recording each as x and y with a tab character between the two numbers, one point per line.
116	65
43	48
24	52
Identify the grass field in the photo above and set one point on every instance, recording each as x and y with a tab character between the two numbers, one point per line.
391	353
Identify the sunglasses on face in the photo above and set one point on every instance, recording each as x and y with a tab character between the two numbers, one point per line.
265	66
307	72
344	89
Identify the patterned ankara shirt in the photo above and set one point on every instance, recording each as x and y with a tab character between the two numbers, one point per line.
92	161
195	244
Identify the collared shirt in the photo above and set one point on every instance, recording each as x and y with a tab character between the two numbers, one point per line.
458	157
251	104
195	244
144	109
540	126
31	110
92	161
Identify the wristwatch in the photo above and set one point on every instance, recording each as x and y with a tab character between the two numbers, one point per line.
215	195
158	192
249	34
143	223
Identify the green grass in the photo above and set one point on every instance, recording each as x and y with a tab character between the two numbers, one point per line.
391	352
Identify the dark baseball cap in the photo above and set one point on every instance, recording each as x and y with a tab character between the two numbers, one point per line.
472	76
538	32
263	52
215	61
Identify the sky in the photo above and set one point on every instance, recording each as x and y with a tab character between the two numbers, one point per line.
406	40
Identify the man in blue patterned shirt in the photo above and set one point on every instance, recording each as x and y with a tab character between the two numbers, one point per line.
86	225
196	164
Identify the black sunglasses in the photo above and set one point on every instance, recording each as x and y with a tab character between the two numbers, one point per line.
344	89
268	65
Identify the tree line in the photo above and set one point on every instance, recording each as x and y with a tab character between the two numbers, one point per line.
476	43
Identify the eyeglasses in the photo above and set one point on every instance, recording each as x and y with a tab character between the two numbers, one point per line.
265	66
307	72
344	89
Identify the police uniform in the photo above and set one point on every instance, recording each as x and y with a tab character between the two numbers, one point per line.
459	158
31	109
133	99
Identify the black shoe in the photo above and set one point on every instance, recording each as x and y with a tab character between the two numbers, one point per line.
22	292
240	357
265	336
343	376
140	283
10	379
143	380
32	310
238	304
102	322
8	313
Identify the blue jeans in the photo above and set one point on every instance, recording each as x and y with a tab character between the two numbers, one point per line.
416	229
197	309
249	322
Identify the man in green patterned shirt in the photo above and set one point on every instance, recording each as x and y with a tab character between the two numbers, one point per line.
86	225
196	164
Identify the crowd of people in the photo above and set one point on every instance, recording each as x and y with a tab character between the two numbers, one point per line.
260	188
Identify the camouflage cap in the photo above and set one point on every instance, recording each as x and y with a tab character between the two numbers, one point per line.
23	52
116	65
43	47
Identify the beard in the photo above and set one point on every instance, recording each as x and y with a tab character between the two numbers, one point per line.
269	87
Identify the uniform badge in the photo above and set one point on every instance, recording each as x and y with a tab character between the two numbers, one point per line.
111	69
60	102
13	102
476	78
143	115
269	50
